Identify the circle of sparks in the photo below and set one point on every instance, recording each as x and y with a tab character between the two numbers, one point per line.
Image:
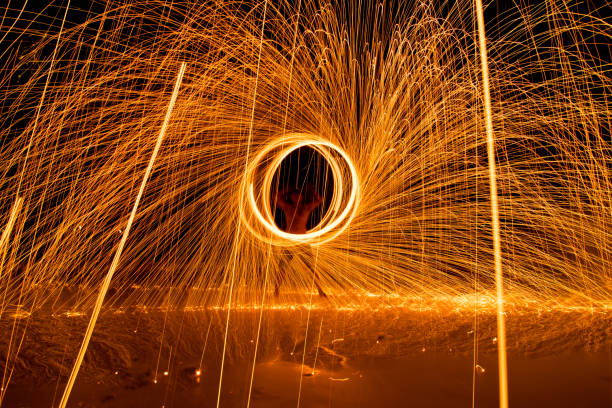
256	211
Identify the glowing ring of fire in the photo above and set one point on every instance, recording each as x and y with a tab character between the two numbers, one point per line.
256	212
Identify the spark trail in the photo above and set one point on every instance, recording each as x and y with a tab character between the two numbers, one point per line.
106	283
499	280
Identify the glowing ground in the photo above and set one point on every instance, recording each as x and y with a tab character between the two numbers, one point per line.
392	354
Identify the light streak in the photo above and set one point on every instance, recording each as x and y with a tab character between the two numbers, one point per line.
499	280
314	364
238	231
9	225
126	231
263	297
261	310
312	283
200	365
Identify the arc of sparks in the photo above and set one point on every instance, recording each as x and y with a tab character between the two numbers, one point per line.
337	218
115	263
499	279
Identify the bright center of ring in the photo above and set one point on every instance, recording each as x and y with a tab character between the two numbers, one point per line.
257	212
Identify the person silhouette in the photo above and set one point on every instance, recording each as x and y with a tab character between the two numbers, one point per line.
297	205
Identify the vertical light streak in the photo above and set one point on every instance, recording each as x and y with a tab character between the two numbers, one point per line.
263	297
204	347
499	283
261	309
306	333
314	364
236	240
161	344
299	397
295	30
115	263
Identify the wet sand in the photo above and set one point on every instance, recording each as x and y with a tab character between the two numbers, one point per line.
385	358
569	380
